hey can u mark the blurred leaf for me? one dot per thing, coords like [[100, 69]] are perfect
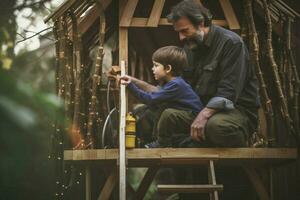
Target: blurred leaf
[[20, 95], [17, 114], [6, 62], [10, 44]]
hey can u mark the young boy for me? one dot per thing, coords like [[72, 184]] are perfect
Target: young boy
[[174, 93]]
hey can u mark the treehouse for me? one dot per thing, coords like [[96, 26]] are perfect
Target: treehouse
[[92, 36]]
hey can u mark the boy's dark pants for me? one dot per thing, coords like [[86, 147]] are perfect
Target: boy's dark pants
[[156, 123], [170, 119]]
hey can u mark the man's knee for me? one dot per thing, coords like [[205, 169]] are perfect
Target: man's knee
[[223, 133]]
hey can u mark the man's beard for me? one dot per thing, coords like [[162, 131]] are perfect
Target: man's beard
[[196, 41]]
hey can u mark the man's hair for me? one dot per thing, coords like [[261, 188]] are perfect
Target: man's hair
[[171, 55], [193, 10]]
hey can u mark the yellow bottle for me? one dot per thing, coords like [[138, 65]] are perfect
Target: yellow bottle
[[130, 131]]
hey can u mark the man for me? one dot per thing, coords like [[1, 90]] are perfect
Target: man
[[221, 74]]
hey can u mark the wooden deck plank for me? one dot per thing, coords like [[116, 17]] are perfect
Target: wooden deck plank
[[223, 153], [150, 157]]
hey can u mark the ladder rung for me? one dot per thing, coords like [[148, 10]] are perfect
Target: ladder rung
[[189, 188]]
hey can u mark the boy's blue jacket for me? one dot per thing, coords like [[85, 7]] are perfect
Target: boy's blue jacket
[[176, 94]]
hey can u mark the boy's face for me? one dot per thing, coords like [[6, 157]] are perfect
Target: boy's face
[[160, 73]]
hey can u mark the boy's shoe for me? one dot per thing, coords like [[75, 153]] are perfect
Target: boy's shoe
[[154, 144]]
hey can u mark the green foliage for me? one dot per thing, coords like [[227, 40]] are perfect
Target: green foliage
[[26, 113], [26, 117]]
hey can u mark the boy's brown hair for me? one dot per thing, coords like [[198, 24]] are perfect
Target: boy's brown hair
[[171, 55]]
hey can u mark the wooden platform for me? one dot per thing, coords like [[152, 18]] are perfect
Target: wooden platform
[[177, 156], [250, 159]]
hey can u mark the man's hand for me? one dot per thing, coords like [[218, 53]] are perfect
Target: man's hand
[[125, 80], [198, 126]]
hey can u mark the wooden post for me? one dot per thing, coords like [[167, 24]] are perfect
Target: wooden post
[[122, 155], [123, 60], [88, 192]]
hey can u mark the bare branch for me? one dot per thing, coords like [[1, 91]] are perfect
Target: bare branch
[[30, 4], [37, 33], [25, 5]]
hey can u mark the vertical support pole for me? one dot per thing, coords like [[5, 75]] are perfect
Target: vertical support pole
[[123, 60], [271, 183], [122, 155], [212, 180], [88, 192]]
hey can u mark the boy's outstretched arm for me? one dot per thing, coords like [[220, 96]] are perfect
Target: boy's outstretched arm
[[113, 74], [144, 85]]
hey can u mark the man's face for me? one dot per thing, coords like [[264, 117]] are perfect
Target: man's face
[[188, 33]]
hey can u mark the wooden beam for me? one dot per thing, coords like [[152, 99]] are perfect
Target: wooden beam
[[59, 11], [86, 22], [128, 13], [123, 45], [109, 185], [91, 16], [230, 15], [104, 3], [88, 187], [257, 183], [142, 22], [155, 13], [123, 35], [123, 39], [189, 188], [146, 182]]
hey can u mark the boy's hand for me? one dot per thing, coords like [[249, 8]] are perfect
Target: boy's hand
[[125, 80], [113, 73]]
